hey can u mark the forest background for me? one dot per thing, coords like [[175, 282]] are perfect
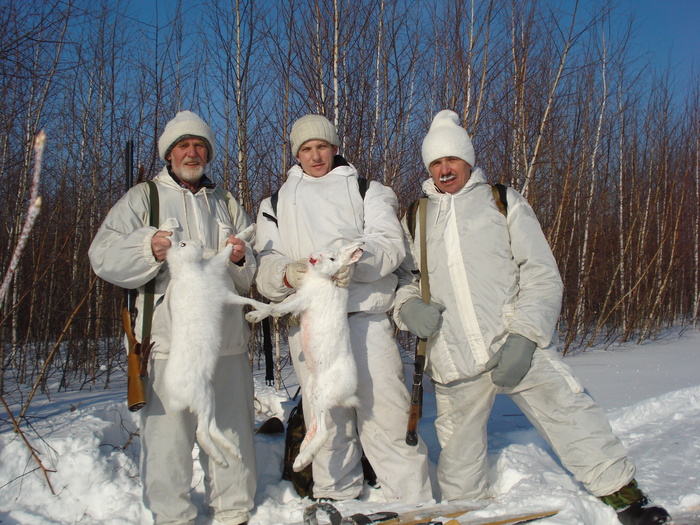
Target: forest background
[[560, 106]]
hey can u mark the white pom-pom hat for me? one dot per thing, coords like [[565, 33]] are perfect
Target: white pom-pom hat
[[185, 124], [446, 138]]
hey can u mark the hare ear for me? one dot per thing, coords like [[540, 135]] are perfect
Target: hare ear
[[355, 256], [351, 253]]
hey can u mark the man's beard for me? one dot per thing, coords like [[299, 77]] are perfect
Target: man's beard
[[190, 174]]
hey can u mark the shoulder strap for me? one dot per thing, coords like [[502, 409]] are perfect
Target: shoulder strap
[[411, 218], [154, 220], [499, 195], [364, 184], [273, 201], [154, 215], [424, 277], [424, 283]]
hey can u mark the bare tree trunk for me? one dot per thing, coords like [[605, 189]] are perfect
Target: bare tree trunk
[[377, 82], [335, 60], [621, 213], [660, 294], [696, 226], [525, 185], [584, 267]]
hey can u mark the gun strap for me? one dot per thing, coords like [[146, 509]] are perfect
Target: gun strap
[[424, 281], [154, 220]]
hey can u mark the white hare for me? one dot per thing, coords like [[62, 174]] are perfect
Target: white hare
[[325, 336], [199, 290]]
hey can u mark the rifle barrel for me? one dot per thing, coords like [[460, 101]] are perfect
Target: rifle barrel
[[129, 295]]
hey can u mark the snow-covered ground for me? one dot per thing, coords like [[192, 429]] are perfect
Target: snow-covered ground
[[651, 393]]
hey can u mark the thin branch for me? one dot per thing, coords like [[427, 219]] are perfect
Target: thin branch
[[49, 358], [29, 446]]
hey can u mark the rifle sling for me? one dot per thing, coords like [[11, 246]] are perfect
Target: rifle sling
[[424, 282], [149, 292]]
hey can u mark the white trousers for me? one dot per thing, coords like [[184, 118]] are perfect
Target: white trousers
[[167, 440], [554, 401], [377, 426]]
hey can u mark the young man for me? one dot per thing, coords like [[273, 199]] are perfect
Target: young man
[[321, 205], [495, 299], [128, 252]]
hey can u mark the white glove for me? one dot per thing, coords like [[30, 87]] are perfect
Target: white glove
[[343, 276], [294, 273]]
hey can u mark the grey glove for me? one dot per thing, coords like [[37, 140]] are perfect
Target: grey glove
[[420, 318], [510, 364], [294, 273], [342, 277]]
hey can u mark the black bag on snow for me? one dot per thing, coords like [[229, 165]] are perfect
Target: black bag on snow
[[296, 428], [303, 481]]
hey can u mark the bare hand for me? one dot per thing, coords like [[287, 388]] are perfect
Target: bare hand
[[160, 244], [343, 276], [238, 251]]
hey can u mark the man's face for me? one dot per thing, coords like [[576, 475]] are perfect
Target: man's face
[[450, 174], [188, 158], [316, 157]]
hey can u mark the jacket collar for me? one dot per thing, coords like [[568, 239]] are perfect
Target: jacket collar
[[340, 167]]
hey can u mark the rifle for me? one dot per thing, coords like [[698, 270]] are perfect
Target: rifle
[[416, 409], [137, 356]]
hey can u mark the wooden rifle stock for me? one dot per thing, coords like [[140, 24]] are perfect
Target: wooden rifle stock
[[416, 409], [137, 363]]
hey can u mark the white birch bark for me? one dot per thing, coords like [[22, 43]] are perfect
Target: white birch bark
[[584, 265]]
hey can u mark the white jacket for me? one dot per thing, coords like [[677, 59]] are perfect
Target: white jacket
[[494, 275], [121, 252], [313, 213]]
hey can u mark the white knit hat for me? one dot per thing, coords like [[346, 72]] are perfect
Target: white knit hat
[[310, 127], [446, 138], [185, 124]]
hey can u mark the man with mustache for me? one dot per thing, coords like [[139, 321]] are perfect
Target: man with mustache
[[129, 252], [490, 326]]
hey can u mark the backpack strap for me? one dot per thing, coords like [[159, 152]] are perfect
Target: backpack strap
[[363, 183], [411, 218], [424, 282], [154, 220], [273, 200], [499, 195]]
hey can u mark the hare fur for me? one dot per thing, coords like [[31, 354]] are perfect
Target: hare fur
[[199, 290], [325, 335]]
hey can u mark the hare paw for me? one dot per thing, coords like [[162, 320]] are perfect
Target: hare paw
[[255, 316]]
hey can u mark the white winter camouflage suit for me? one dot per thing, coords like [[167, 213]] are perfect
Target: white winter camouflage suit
[[313, 213], [121, 254], [495, 276]]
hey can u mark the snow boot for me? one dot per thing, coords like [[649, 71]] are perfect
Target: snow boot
[[633, 507]]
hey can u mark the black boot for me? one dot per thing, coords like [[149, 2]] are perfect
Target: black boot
[[641, 513], [633, 507]]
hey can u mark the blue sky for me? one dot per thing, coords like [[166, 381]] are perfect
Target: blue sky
[[669, 32], [666, 32]]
